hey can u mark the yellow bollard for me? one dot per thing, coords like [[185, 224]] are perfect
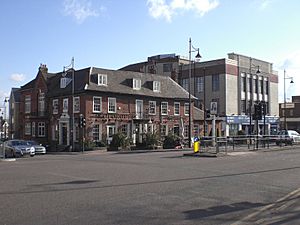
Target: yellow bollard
[[196, 146]]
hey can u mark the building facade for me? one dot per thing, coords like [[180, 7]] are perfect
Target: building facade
[[52, 105], [290, 114], [232, 85]]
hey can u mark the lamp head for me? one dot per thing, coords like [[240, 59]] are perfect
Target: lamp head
[[292, 81], [198, 56], [258, 70]]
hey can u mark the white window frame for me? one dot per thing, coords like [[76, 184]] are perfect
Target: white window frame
[[111, 104], [33, 129], [41, 129], [27, 128], [156, 86], [97, 132], [102, 79], [55, 106], [164, 108], [136, 84], [152, 107], [186, 109], [27, 104], [175, 108], [164, 129], [97, 105], [76, 104], [65, 104], [41, 103]]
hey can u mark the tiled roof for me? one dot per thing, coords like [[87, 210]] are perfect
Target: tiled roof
[[121, 82]]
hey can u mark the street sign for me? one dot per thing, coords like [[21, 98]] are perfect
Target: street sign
[[213, 108]]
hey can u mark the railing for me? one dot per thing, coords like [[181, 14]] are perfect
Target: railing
[[246, 142]]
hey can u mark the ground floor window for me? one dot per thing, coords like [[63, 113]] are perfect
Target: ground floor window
[[27, 128], [41, 129], [186, 131], [96, 132], [163, 129]]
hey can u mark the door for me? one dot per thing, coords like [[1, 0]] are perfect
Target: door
[[64, 134], [111, 130]]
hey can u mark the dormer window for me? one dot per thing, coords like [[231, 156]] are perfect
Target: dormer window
[[136, 85], [156, 86], [64, 81], [102, 79]]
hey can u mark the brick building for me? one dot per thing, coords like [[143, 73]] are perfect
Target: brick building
[[133, 103], [290, 114]]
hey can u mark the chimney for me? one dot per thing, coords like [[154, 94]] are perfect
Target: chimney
[[43, 68]]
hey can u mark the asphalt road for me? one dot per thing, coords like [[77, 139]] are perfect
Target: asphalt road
[[151, 188]]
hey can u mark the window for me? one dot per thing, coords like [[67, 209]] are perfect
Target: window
[[33, 129], [249, 85], [136, 84], [63, 82], [243, 106], [97, 104], [96, 132], [27, 128], [167, 67], [55, 106], [41, 104], [164, 108], [243, 83], [65, 105], [156, 86], [163, 129], [256, 85], [139, 109], [41, 129], [267, 87], [27, 104], [112, 106], [76, 104], [185, 84], [215, 82], [186, 109], [102, 79], [261, 86], [176, 108], [200, 84], [186, 131], [124, 129], [152, 107]]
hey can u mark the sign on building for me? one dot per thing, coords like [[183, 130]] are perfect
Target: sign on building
[[213, 108]]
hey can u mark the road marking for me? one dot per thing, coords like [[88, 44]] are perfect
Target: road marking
[[240, 153], [267, 207]]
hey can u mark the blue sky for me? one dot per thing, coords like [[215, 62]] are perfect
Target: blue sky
[[111, 34]]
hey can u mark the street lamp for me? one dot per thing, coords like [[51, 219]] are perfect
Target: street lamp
[[250, 102], [71, 67], [198, 56], [291, 82]]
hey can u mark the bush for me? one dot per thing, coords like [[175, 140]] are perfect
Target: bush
[[171, 141], [151, 140], [120, 140]]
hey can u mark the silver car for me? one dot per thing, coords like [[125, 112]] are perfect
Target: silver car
[[39, 149], [18, 148]]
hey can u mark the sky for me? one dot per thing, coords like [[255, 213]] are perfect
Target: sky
[[111, 34]]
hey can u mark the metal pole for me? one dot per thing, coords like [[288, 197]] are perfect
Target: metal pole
[[204, 103], [190, 75], [284, 116], [73, 116]]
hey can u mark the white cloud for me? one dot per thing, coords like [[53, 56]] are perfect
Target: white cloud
[[80, 10], [17, 77], [161, 9], [264, 4], [291, 64]]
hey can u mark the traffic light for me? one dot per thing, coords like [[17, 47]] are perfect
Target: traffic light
[[207, 113], [82, 122], [257, 111]]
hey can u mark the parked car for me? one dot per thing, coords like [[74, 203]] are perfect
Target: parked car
[[39, 148], [288, 137], [18, 148]]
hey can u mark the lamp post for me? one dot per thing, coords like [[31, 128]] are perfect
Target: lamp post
[[71, 67], [198, 56], [284, 78], [6, 100]]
